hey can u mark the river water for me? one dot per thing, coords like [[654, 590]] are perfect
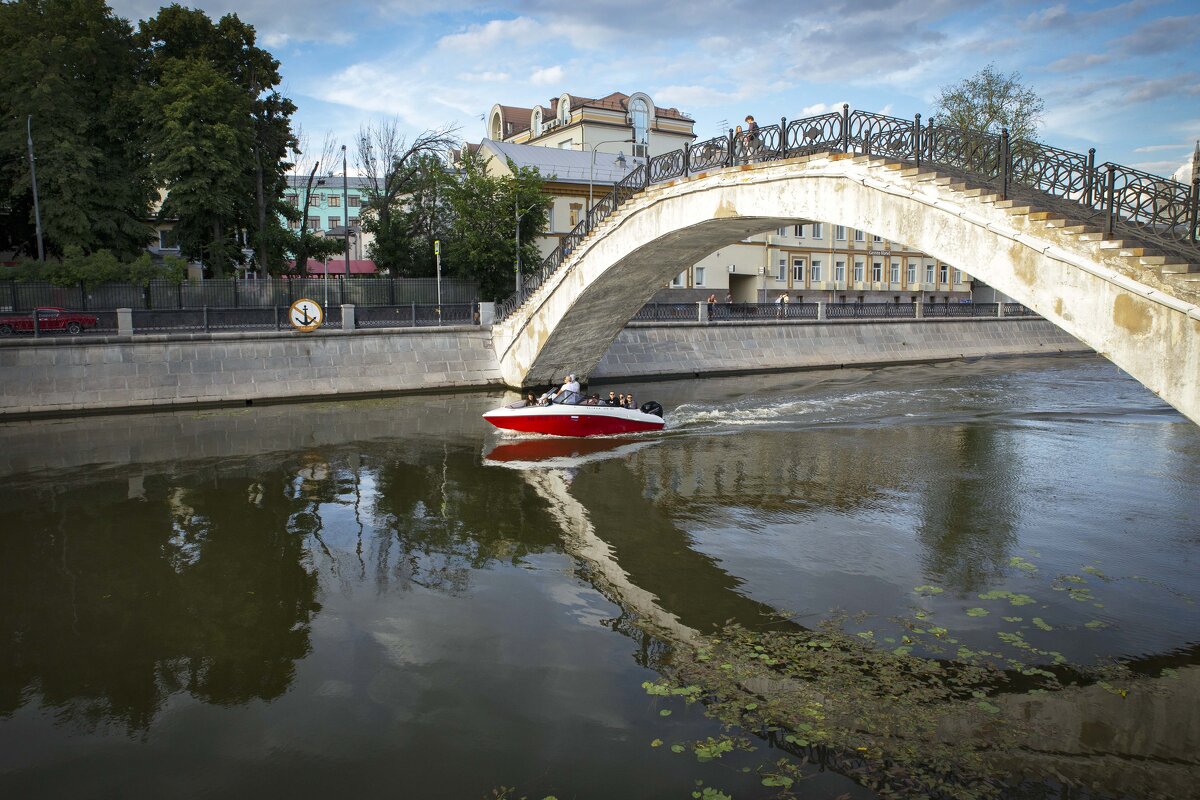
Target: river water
[[388, 598]]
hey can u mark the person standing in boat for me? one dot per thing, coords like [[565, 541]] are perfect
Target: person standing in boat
[[569, 393]]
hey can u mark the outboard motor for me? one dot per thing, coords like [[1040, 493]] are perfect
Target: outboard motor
[[652, 407]]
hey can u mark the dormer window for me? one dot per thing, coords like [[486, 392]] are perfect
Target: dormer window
[[639, 117], [564, 109], [537, 122]]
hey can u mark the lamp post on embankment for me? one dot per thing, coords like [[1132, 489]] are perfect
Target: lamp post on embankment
[[592, 171]]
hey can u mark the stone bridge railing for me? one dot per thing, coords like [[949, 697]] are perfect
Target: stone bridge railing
[[1110, 196]]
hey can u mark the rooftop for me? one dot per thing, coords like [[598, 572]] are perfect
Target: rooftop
[[564, 166]]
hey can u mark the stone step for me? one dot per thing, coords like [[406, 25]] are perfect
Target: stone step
[[966, 189], [1179, 268], [1048, 217], [1150, 260]]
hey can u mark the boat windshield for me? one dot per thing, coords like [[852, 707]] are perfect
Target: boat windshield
[[570, 398]]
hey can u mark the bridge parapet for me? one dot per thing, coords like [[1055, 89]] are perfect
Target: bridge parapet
[[1117, 202]]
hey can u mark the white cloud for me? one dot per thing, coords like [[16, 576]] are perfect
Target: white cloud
[[1158, 148], [550, 76]]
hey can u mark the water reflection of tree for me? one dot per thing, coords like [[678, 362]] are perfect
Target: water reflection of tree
[[968, 511], [439, 516], [111, 600]]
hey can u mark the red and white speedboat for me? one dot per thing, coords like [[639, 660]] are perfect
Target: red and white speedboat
[[572, 419]]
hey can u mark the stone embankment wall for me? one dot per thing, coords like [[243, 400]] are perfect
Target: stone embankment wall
[[61, 375], [65, 376], [645, 350]]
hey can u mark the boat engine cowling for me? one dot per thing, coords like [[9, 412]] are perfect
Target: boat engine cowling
[[652, 407]]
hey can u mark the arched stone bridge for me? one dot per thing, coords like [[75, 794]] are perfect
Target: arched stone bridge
[[1133, 304]]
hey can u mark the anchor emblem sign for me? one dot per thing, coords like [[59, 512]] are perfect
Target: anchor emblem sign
[[306, 315]]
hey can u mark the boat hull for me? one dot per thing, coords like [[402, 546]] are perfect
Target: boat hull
[[575, 421]]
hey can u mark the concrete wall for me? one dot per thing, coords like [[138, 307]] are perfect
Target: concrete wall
[[703, 349], [68, 375], [65, 376]]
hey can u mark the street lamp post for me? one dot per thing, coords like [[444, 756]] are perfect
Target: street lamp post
[[592, 171], [346, 208], [520, 215], [37, 209]]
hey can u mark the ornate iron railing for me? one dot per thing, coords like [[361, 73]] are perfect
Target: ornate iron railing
[[1148, 206], [870, 310], [816, 134]]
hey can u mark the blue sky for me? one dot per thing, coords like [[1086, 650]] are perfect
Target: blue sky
[[1122, 77]]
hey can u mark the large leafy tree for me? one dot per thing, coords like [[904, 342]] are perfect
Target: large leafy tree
[[482, 238], [989, 101], [200, 65], [201, 140], [72, 66]]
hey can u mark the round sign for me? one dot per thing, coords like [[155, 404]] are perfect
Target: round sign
[[306, 315]]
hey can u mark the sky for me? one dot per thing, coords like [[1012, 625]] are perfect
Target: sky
[[1122, 77]]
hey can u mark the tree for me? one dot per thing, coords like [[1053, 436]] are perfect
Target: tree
[[393, 169], [72, 66], [200, 142], [253, 177], [988, 101], [482, 239]]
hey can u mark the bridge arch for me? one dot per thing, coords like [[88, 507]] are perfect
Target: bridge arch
[[1075, 279]]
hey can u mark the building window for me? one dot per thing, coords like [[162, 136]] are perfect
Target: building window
[[944, 274], [168, 239], [876, 238], [839, 271], [814, 272], [895, 272], [576, 208], [353, 201], [313, 223], [537, 122], [929, 273], [817, 230], [839, 232], [679, 280], [958, 277], [781, 275], [334, 222], [566, 144], [314, 200], [639, 114], [293, 200], [798, 271], [877, 271], [353, 222], [912, 273], [294, 224], [782, 232], [799, 230], [335, 201], [860, 236], [699, 273], [858, 271]]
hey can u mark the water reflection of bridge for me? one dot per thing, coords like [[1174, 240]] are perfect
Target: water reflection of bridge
[[1088, 735]]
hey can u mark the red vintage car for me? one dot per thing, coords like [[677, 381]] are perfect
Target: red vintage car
[[49, 319]]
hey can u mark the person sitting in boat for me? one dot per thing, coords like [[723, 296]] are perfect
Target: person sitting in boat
[[629, 401], [612, 398], [570, 391]]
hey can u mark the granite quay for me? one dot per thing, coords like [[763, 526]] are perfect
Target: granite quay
[[67, 376]]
